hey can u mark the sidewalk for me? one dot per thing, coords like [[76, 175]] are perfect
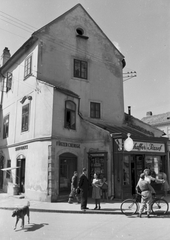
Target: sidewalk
[[9, 202]]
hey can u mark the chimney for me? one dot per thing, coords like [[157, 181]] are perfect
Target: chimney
[[6, 55], [149, 114], [129, 110]]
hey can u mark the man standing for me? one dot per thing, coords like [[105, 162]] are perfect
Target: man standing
[[73, 192], [146, 194], [84, 185]]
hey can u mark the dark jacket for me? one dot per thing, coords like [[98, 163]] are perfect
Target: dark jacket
[[83, 183]]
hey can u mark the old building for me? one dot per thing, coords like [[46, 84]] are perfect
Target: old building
[[62, 109], [160, 121], [60, 77]]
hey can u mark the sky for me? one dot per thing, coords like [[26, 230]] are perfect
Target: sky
[[140, 29]]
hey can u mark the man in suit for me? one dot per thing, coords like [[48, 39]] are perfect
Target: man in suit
[[84, 185]]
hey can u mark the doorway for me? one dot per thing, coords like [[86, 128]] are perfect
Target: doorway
[[68, 164], [1, 172], [137, 167], [20, 174]]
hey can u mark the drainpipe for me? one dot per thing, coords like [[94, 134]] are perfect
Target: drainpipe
[[2, 94], [79, 113]]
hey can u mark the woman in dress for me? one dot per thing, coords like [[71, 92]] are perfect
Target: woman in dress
[[96, 192], [149, 178]]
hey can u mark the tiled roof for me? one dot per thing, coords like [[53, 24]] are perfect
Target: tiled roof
[[159, 119]]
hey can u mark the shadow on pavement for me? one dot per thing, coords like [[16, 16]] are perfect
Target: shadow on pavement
[[151, 216], [33, 227], [110, 209]]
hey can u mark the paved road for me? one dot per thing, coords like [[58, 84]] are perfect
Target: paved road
[[61, 226]]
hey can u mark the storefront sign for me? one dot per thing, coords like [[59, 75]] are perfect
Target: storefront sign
[[66, 144], [21, 148], [148, 147]]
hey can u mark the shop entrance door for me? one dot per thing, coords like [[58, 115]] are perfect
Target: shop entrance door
[[20, 174], [68, 164], [126, 177], [137, 167], [97, 164]]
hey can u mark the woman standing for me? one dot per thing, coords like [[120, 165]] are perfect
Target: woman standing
[[165, 185], [96, 192]]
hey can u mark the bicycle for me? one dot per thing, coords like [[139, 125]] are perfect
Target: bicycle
[[159, 205]]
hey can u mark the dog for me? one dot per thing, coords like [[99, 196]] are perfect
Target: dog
[[20, 213]]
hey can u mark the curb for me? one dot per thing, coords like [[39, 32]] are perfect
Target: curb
[[67, 211]]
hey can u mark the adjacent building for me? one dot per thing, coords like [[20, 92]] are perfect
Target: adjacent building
[[160, 121], [62, 109]]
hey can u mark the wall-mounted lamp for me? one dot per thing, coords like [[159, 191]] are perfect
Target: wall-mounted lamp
[[24, 98], [128, 143]]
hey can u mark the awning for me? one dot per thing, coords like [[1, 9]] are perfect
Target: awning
[[9, 168], [122, 131]]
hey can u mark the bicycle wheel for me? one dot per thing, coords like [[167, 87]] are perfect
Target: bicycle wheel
[[129, 207], [159, 206]]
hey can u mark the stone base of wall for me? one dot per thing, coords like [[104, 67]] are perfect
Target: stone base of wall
[[40, 196]]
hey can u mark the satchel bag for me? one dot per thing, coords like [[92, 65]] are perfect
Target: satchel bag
[[104, 186], [78, 190]]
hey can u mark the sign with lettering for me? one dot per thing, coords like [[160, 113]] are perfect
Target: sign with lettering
[[66, 144], [21, 148], [148, 147]]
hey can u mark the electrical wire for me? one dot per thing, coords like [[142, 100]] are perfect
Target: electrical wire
[[57, 41]]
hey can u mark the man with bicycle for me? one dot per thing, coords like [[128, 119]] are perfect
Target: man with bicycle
[[146, 194]]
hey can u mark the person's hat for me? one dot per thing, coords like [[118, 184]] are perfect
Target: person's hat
[[146, 170], [75, 172], [84, 169], [142, 175]]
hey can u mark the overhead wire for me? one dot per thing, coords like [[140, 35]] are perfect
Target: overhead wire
[[18, 20], [56, 42], [13, 33]]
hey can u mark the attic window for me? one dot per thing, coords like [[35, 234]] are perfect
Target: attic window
[[80, 31]]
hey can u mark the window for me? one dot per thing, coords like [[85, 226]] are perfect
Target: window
[[28, 66], [8, 173], [6, 127], [25, 118], [9, 81], [70, 115], [126, 171], [168, 131], [80, 69], [94, 110]]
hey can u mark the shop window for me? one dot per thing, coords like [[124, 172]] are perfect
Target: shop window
[[80, 69], [126, 171], [25, 118], [8, 173], [154, 163], [70, 115], [98, 164], [94, 110], [168, 132], [6, 127], [28, 67]]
